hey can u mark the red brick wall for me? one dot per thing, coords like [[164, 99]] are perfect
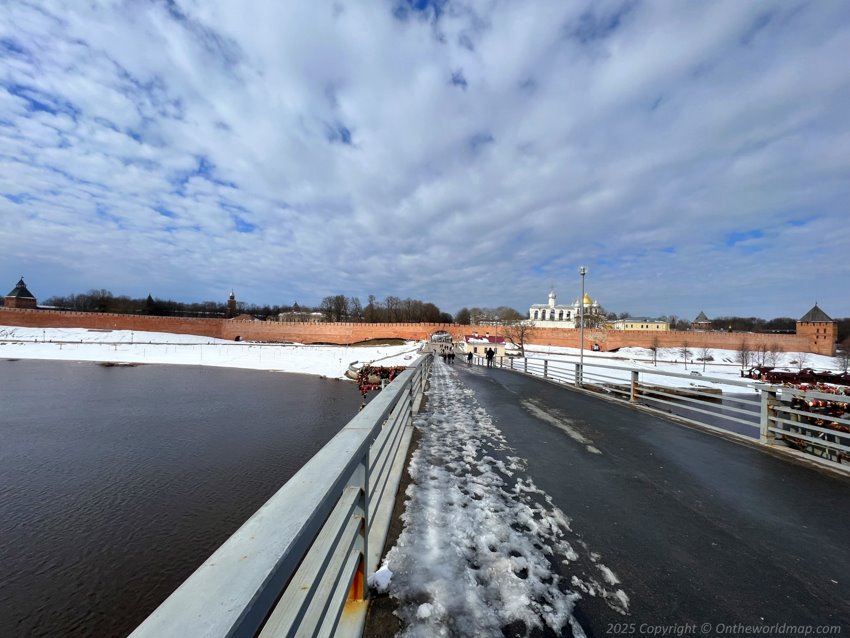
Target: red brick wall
[[19, 302], [821, 335], [807, 339], [104, 321]]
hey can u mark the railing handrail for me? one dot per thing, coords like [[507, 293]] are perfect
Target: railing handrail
[[802, 438], [233, 592], [752, 383]]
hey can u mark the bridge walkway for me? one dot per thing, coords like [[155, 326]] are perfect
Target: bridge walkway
[[667, 525], [697, 528]]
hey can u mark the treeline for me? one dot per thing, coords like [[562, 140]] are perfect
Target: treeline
[[754, 324], [780, 325], [475, 315], [390, 310], [333, 308], [104, 301]]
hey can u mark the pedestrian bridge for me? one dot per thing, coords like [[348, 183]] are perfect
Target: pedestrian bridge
[[536, 509]]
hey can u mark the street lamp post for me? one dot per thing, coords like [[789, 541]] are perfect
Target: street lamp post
[[581, 271]]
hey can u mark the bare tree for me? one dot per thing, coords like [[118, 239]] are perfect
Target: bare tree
[[595, 320], [355, 309], [705, 355], [772, 356], [654, 347], [392, 305], [335, 308], [519, 332], [685, 352], [744, 354], [462, 317], [842, 357], [760, 354], [802, 360]]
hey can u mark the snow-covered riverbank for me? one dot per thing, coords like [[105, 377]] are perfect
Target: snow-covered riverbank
[[124, 346]]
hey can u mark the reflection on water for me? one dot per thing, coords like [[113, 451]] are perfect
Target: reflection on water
[[116, 483]]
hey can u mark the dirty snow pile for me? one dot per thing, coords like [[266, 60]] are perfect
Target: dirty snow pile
[[125, 346], [483, 550]]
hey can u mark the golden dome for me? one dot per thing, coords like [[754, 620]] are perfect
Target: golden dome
[[587, 301]]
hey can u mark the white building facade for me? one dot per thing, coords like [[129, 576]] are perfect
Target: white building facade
[[555, 315]]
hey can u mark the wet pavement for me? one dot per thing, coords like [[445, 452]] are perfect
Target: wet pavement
[[707, 536]]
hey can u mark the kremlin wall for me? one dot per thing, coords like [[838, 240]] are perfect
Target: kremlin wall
[[818, 337]]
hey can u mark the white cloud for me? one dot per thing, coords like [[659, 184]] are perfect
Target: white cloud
[[636, 138]]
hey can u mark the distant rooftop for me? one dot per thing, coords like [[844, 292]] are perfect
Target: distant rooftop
[[816, 315], [20, 291]]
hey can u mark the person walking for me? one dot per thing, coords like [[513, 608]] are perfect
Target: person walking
[[469, 358]]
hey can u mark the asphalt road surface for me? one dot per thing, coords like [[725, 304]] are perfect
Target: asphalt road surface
[[703, 533]]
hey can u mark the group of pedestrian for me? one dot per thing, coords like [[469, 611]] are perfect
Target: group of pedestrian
[[447, 352]]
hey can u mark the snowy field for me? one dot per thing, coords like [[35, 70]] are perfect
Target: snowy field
[[124, 346], [722, 365]]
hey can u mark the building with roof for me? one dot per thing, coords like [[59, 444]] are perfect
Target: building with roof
[[820, 329], [20, 297], [477, 344], [555, 315], [639, 323], [701, 322]]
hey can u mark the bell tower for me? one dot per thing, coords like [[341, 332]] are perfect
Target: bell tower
[[231, 305]]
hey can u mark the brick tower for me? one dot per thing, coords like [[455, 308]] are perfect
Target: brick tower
[[821, 331], [20, 297]]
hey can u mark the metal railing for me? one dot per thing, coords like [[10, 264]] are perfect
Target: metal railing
[[813, 422], [299, 565], [793, 420]]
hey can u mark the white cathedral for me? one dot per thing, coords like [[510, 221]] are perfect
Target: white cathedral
[[554, 315]]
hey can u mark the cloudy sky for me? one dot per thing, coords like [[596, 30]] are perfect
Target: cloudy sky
[[695, 156]]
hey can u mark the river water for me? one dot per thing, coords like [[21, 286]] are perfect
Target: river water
[[117, 482]]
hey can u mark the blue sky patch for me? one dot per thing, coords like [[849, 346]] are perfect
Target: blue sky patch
[[339, 133], [799, 223], [11, 48], [736, 237], [38, 100], [243, 226], [404, 8], [593, 26]]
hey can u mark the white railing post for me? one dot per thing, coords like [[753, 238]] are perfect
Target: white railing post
[[768, 400], [633, 392], [578, 375]]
